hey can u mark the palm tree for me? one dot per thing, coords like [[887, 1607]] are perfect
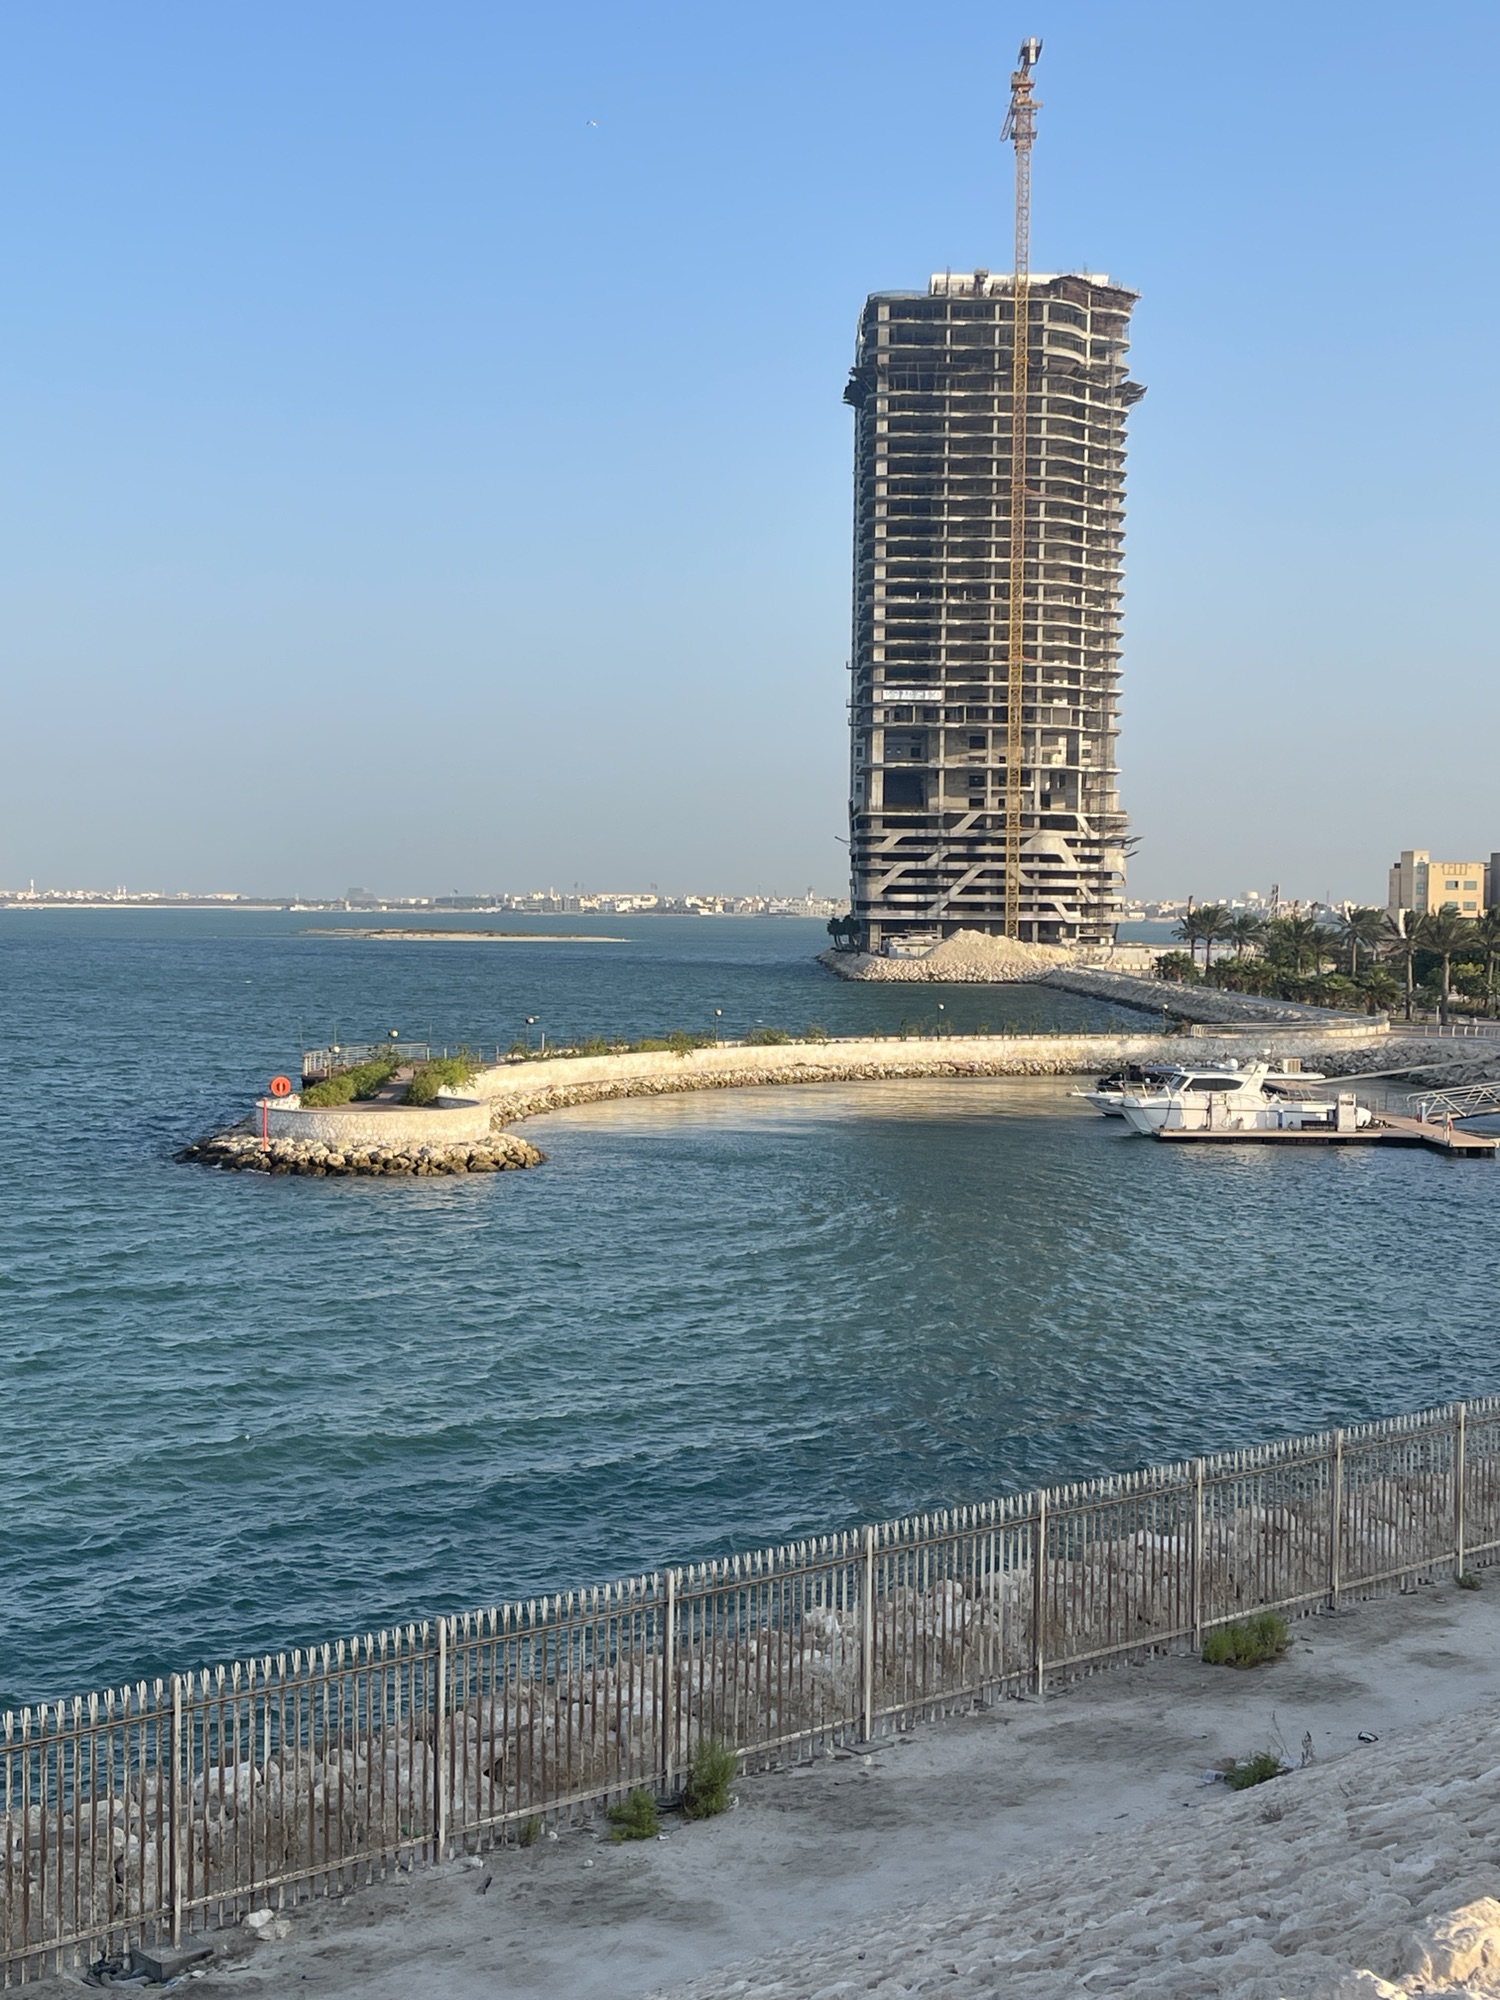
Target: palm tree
[[1244, 929], [1401, 945], [1445, 932], [1213, 921], [1487, 937], [1189, 930], [1299, 938], [1380, 990], [1358, 929]]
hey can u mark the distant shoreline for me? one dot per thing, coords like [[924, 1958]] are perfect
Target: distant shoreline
[[411, 936]]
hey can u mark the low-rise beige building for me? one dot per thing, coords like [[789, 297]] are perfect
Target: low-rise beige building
[[1419, 883]]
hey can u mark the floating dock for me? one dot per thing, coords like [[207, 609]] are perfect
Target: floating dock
[[1386, 1128]]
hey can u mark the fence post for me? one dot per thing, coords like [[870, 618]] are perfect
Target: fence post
[[867, 1641], [1335, 1519], [669, 1687], [1038, 1595], [1460, 1480], [440, 1744], [1197, 1555], [174, 1796]]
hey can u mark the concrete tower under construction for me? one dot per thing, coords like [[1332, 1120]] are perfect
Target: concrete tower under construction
[[930, 723]]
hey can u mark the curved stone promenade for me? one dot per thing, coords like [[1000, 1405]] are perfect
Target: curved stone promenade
[[468, 1136], [522, 1089]]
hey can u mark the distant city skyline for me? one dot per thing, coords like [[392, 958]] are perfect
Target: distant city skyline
[[426, 459], [538, 902]]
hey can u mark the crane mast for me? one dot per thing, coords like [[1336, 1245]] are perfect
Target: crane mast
[[1020, 128]]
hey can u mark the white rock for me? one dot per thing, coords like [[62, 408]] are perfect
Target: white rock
[[1446, 1950], [1362, 1985]]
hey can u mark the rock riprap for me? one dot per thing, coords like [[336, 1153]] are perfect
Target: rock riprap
[[242, 1152]]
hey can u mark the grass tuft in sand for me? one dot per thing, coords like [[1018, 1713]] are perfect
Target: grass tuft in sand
[[1249, 1642]]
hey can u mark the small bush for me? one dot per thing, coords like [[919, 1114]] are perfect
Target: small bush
[[530, 1834], [765, 1038], [360, 1082], [709, 1778], [1468, 1581], [443, 1073], [1249, 1642], [330, 1090], [815, 1032], [1254, 1771], [635, 1817]]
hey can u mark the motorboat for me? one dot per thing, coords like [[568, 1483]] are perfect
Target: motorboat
[[1253, 1099], [1108, 1093]]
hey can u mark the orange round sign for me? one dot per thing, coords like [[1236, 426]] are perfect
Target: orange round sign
[[281, 1086]]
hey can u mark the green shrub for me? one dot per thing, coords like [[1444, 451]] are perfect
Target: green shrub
[[1254, 1771], [815, 1032], [331, 1090], [1468, 1581], [765, 1038], [1247, 1643], [530, 1834], [635, 1817], [360, 1082], [649, 1045], [443, 1073], [710, 1775]]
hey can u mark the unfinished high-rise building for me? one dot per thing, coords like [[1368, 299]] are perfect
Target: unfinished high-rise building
[[931, 781]]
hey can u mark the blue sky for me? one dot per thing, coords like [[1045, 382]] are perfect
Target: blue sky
[[409, 482]]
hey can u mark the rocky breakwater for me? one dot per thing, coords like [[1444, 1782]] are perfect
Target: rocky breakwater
[[241, 1151]]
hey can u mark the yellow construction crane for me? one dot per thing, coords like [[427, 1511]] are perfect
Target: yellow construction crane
[[1020, 127]]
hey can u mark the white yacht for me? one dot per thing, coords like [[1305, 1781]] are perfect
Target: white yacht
[[1254, 1099], [1108, 1093]]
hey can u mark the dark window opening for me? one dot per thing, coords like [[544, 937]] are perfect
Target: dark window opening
[[905, 791]]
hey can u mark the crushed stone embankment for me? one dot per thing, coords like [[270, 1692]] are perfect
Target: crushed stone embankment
[[1099, 1860]]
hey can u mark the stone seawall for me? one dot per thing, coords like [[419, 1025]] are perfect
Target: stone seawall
[[1187, 1003], [1125, 989], [524, 1089]]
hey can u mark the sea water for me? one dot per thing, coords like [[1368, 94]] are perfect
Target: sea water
[[240, 1413]]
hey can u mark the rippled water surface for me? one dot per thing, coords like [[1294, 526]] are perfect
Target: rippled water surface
[[241, 1413]]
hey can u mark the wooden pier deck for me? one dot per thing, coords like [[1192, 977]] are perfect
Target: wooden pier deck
[[1389, 1128]]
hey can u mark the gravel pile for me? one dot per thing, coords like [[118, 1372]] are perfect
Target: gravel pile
[[966, 958]]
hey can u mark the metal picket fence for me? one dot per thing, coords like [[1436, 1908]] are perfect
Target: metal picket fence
[[149, 1813]]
